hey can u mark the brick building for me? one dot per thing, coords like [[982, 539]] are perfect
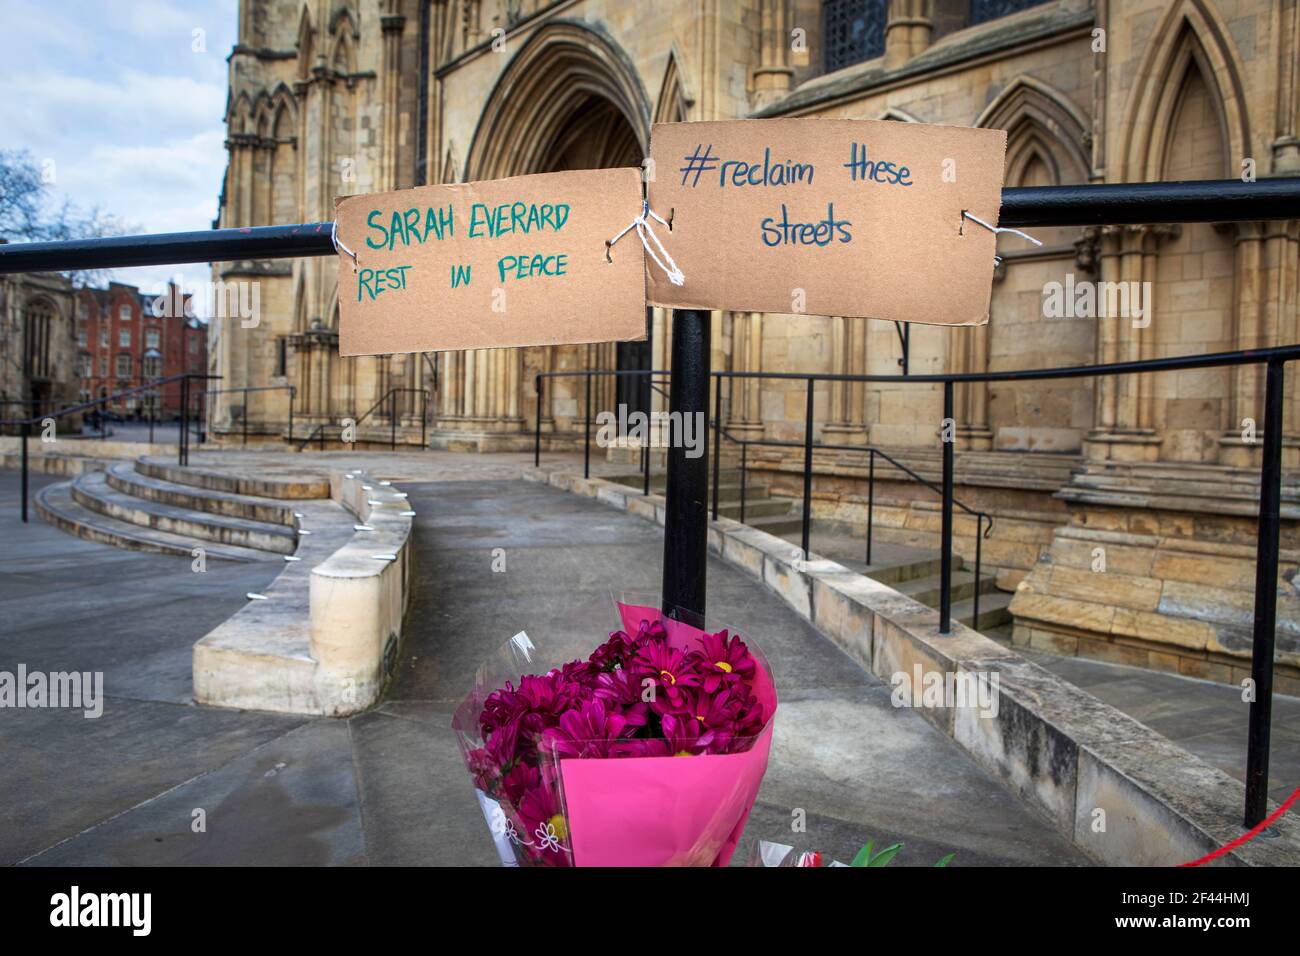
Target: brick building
[[126, 338]]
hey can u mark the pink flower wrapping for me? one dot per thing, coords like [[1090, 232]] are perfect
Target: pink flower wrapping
[[649, 753]]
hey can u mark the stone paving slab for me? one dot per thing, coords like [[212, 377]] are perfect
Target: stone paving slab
[[388, 786]]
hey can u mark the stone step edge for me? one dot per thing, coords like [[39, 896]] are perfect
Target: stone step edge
[[344, 631], [122, 534], [231, 482], [129, 480], [1056, 746], [208, 527]]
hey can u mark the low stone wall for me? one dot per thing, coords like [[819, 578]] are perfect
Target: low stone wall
[[1123, 793], [359, 593], [1156, 599], [325, 639], [68, 457]]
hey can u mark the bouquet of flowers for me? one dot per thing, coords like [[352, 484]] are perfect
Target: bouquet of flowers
[[581, 764]]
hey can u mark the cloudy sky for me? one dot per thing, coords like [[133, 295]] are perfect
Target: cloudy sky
[[127, 100]]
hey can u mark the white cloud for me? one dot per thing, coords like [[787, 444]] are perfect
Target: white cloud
[[131, 116]]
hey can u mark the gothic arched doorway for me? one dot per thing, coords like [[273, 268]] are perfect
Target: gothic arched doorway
[[569, 100]]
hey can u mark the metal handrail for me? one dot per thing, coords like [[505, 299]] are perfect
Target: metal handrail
[[981, 531], [243, 414], [182, 447], [319, 431]]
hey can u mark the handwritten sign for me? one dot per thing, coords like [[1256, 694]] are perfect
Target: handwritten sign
[[828, 217], [491, 264]]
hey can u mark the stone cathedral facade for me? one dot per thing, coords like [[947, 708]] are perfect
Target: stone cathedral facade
[[334, 97]]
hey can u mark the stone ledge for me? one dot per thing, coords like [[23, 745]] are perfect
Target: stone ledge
[[1057, 746], [326, 639]]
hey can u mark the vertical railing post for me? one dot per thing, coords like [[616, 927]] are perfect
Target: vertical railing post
[[871, 499], [807, 468], [424, 418], [948, 438], [717, 443], [537, 426], [392, 420], [293, 392], [27, 428], [182, 439], [645, 444], [686, 526], [979, 584], [243, 420], [153, 412], [586, 428], [1266, 561], [744, 463]]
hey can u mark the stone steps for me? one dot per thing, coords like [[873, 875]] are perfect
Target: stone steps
[[127, 479], [55, 504], [994, 610], [282, 486], [93, 492], [927, 589]]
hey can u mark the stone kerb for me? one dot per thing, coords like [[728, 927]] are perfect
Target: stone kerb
[[358, 594], [1122, 792], [325, 638]]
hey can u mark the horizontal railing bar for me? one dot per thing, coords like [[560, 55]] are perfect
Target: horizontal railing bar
[[782, 443], [249, 388], [1168, 364], [1081, 205], [1122, 204], [213, 245], [153, 386]]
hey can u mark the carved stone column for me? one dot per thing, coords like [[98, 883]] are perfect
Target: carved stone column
[[771, 78], [746, 414], [847, 425], [1123, 423], [392, 25], [1263, 315], [908, 31]]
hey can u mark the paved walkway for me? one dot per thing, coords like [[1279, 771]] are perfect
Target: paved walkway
[[388, 787]]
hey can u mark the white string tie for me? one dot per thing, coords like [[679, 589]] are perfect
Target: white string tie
[[643, 229], [997, 260], [339, 245]]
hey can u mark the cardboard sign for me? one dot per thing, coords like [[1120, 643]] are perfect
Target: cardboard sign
[[491, 264], [828, 217]]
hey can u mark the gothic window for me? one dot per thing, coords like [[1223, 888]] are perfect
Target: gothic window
[[982, 11], [40, 324], [852, 31]]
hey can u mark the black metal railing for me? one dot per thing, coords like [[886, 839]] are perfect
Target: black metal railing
[[182, 453], [685, 528], [715, 426], [1270, 489], [246, 390], [320, 432]]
